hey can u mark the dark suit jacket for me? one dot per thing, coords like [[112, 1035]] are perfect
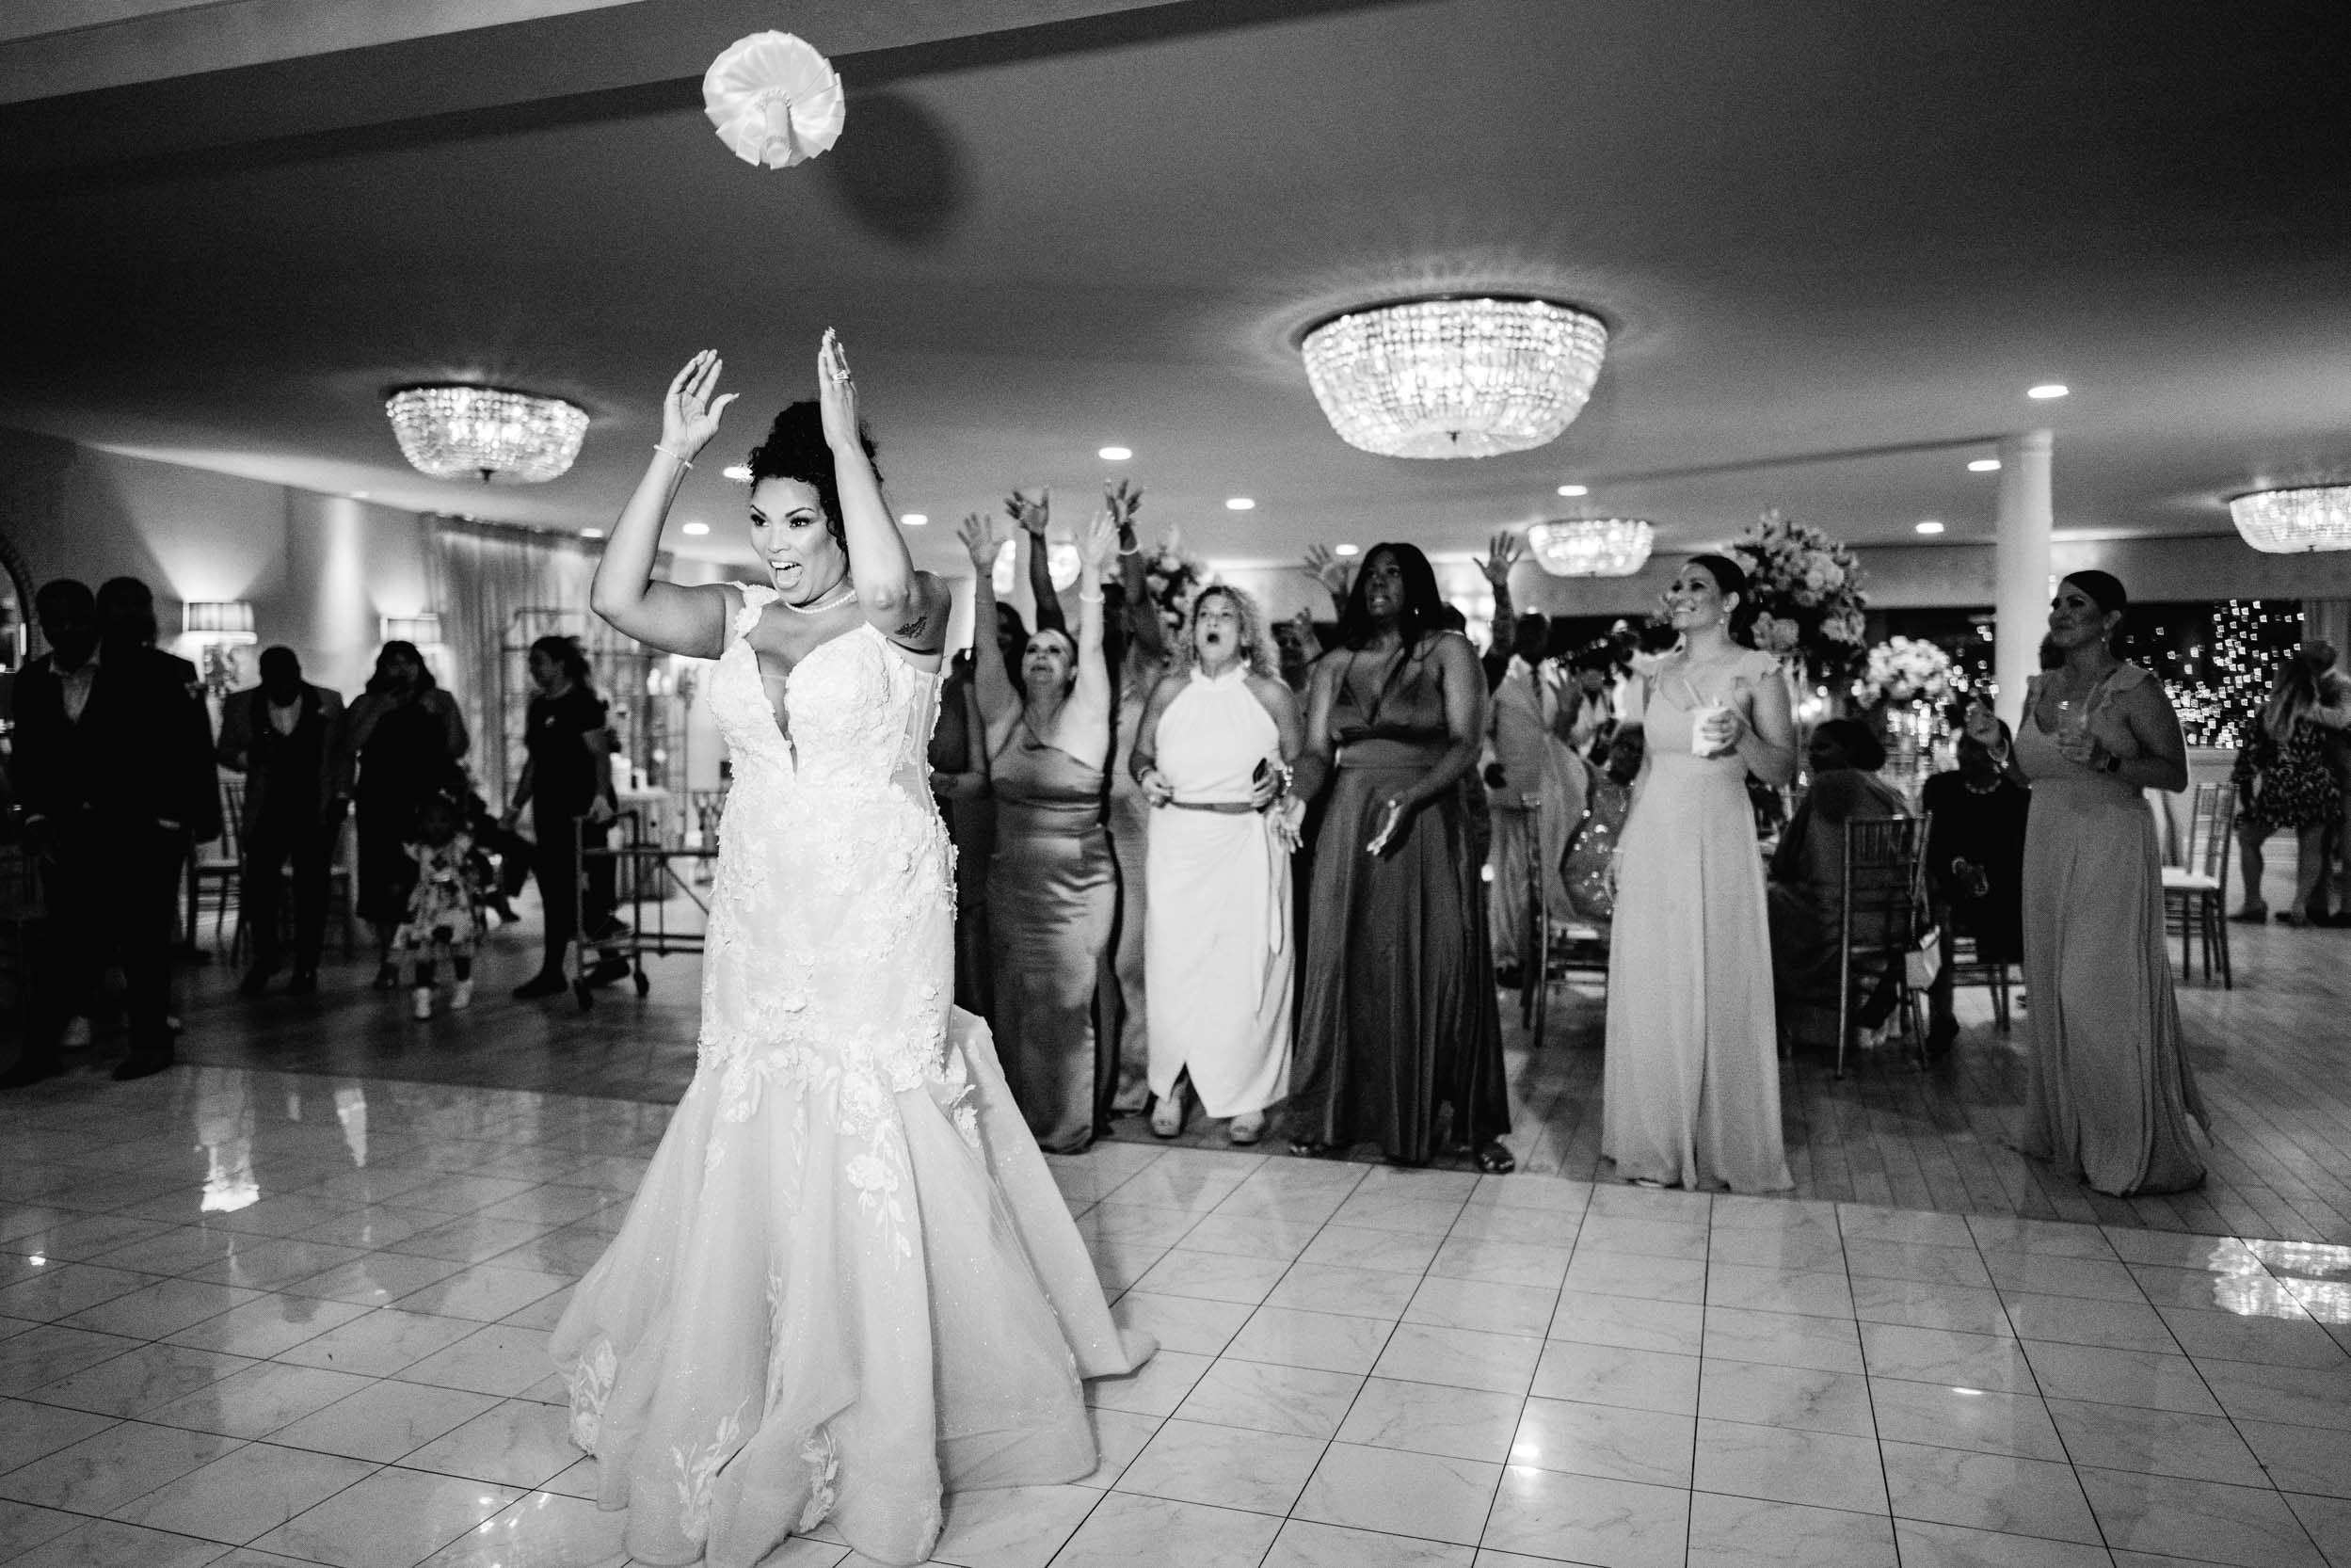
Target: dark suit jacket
[[142, 751], [245, 719]]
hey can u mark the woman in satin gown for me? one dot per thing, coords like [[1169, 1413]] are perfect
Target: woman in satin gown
[[2111, 1099], [1398, 1016], [1211, 755], [1690, 1090], [1053, 886], [848, 1282]]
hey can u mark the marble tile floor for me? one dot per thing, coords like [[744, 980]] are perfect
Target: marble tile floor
[[253, 1318]]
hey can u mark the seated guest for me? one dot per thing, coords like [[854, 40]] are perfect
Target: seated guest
[[284, 735], [1807, 880], [1592, 845], [1975, 861]]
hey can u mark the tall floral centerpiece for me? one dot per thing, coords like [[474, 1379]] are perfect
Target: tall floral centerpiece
[[1174, 578], [1906, 688], [1807, 591]]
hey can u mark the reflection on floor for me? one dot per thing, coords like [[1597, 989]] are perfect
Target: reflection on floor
[[257, 1317]]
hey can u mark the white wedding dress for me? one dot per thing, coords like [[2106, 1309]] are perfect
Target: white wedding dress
[[848, 1282]]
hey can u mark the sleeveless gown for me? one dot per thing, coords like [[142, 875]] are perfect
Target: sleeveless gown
[[1053, 900], [1397, 1013], [1217, 932], [847, 1280], [1690, 1089], [2110, 1097]]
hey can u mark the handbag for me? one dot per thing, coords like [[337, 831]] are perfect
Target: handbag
[[1922, 960]]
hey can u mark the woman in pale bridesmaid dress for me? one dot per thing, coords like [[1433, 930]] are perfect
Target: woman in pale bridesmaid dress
[[2111, 1099], [1691, 1085]]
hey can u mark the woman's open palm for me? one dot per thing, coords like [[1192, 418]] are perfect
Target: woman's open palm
[[690, 412]]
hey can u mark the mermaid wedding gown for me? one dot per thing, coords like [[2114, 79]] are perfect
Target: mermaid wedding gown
[[848, 1282]]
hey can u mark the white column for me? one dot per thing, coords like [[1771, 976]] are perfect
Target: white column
[[2021, 566]]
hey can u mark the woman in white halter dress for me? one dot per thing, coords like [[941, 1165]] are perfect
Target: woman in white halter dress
[[848, 1282]]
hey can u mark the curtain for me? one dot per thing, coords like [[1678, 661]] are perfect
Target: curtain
[[496, 589]]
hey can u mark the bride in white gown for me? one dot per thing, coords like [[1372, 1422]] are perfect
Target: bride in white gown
[[848, 1282]]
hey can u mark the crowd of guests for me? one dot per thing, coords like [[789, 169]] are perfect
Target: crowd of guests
[[1320, 860]]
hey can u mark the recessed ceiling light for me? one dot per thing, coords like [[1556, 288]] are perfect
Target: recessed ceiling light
[[696, 529], [1116, 453], [2047, 390], [591, 533], [1240, 503], [1930, 526], [914, 520], [1575, 489], [1984, 465], [738, 472], [1346, 550], [359, 495]]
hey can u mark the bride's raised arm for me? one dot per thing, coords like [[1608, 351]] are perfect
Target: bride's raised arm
[[909, 607], [672, 617]]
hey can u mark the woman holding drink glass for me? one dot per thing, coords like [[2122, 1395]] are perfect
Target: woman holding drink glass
[[2111, 1096], [1692, 1086]]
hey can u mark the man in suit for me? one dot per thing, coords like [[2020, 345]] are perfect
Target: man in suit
[[284, 735], [114, 772]]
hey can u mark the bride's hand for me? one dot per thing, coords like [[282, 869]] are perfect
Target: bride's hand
[[978, 535], [1093, 542], [835, 394], [689, 415]]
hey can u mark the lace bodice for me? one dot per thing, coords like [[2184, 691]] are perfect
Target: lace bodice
[[859, 715]]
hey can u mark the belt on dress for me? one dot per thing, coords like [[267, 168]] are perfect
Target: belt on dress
[[1229, 807]]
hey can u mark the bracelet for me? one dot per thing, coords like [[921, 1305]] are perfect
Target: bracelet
[[1094, 598], [685, 462]]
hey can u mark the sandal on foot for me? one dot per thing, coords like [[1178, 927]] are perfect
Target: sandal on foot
[[1495, 1160], [1247, 1128], [1167, 1115]]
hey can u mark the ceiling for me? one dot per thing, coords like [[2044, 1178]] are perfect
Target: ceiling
[[1834, 242]]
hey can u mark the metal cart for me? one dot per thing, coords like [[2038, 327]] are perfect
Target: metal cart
[[649, 875]]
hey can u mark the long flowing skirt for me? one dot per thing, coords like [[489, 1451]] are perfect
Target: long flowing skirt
[[1690, 1090], [1397, 1013], [1218, 937], [1053, 900], [2110, 1095]]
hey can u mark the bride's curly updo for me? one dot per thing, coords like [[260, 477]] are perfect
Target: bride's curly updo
[[795, 449]]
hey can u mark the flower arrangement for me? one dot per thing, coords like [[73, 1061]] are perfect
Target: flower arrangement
[[1905, 670], [1174, 578], [1807, 595]]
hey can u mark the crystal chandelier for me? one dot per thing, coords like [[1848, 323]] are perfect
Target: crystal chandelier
[[2292, 521], [1591, 547], [457, 432], [1454, 377]]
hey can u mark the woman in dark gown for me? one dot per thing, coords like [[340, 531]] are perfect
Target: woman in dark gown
[[407, 738], [1399, 1015]]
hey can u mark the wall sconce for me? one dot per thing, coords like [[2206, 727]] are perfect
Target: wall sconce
[[424, 630], [218, 620]]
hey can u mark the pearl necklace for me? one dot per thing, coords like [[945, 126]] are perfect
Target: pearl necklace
[[826, 601]]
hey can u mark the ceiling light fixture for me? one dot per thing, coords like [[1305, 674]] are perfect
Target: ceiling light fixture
[[1454, 377], [1984, 465], [1929, 526], [1115, 454], [738, 472], [591, 533], [2295, 520], [1591, 547], [2048, 390], [696, 530], [457, 432], [1346, 550], [916, 520], [1240, 504], [1575, 489]]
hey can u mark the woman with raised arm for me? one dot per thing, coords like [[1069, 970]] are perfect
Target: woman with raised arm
[[1053, 889], [1398, 1016], [848, 1282], [1690, 1090]]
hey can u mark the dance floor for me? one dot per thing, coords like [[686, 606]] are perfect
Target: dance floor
[[289, 1304]]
